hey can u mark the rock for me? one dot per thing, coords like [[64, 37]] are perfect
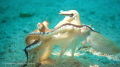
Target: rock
[[25, 14]]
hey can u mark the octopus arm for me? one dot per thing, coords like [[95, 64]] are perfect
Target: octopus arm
[[60, 30]]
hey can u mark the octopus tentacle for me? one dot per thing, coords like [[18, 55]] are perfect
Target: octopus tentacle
[[63, 28]]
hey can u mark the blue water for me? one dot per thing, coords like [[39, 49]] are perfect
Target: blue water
[[103, 15]]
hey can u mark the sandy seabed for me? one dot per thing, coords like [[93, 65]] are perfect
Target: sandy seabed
[[103, 15]]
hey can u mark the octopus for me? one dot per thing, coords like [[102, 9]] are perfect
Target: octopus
[[66, 34]]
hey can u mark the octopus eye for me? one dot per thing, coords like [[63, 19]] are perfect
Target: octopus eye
[[71, 15]]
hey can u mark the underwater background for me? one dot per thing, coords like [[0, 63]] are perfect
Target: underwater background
[[103, 15]]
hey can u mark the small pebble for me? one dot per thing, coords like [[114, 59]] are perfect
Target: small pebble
[[10, 51], [26, 30], [3, 21]]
